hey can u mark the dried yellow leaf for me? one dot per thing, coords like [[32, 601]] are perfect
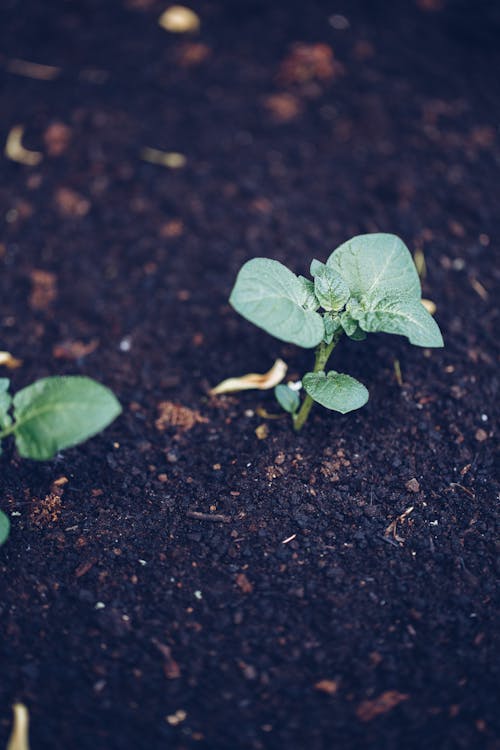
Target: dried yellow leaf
[[419, 260], [15, 151], [32, 70], [170, 159], [429, 305], [253, 380], [18, 739], [262, 431], [10, 362], [179, 20]]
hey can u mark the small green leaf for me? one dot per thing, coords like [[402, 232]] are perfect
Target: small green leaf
[[315, 267], [375, 266], [269, 295], [59, 412], [4, 527], [332, 325], [406, 318], [330, 288], [351, 327], [335, 391], [310, 302], [358, 335], [288, 400]]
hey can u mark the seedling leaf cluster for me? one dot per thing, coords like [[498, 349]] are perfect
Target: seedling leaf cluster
[[369, 284]]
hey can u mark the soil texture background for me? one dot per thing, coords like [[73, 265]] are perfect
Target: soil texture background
[[195, 583]]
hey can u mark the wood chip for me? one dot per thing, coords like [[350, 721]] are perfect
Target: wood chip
[[10, 362], [214, 517], [283, 107], [329, 687], [369, 710], [44, 289], [309, 62], [192, 54], [244, 584], [74, 349], [70, 203], [479, 289], [57, 138], [170, 667], [32, 70], [84, 567]]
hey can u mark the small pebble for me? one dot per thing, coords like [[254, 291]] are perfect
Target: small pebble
[[412, 485]]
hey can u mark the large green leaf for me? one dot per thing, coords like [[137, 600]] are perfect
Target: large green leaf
[[4, 527], [375, 266], [408, 318], [335, 390], [329, 287], [269, 295], [58, 412]]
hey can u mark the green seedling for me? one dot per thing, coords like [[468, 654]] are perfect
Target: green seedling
[[368, 284], [52, 414]]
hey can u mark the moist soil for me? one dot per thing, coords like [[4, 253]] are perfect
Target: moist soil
[[338, 588]]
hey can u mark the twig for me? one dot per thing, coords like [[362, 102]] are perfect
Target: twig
[[215, 517]]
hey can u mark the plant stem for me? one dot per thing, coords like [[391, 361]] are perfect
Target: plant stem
[[323, 352]]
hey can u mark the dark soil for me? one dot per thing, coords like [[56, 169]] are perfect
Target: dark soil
[[302, 618]]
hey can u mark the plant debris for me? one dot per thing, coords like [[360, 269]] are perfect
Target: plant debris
[[10, 362], [15, 151], [170, 159], [370, 709], [19, 738], [180, 417], [44, 290], [178, 19], [253, 380], [32, 70]]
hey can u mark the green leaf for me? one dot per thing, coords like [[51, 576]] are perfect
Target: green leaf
[[310, 302], [269, 295], [288, 400], [351, 327], [5, 402], [315, 267], [335, 391], [332, 325], [406, 318], [330, 288], [59, 412], [4, 528], [375, 266]]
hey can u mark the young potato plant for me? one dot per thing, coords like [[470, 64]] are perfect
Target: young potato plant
[[52, 414], [368, 284]]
